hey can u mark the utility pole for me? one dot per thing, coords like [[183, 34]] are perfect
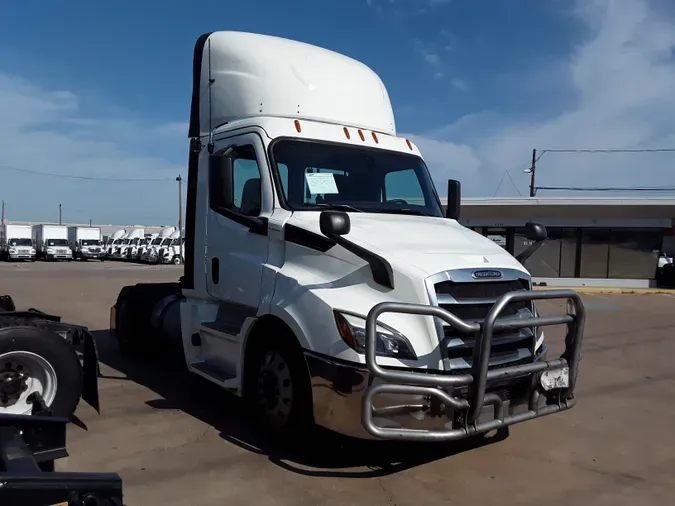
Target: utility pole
[[60, 214], [531, 171], [90, 222], [3, 212], [180, 210]]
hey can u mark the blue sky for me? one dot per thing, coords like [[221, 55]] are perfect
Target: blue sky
[[102, 90]]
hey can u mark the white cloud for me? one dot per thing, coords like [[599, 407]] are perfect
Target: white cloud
[[46, 131], [622, 77]]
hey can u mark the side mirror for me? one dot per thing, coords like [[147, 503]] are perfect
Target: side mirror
[[535, 232], [334, 223], [454, 199], [221, 181]]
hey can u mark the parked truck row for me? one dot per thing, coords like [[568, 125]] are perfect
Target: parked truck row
[[60, 242], [163, 247], [50, 242]]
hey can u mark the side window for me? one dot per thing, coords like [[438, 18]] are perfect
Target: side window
[[247, 189], [403, 184]]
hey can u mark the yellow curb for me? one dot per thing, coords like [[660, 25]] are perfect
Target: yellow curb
[[593, 289]]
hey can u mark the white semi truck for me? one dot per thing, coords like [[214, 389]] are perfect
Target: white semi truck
[[16, 242], [86, 243], [149, 238], [133, 238], [323, 282], [174, 251], [152, 253], [113, 241], [51, 242]]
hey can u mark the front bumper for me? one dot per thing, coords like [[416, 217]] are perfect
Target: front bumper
[[21, 256], [370, 401], [90, 254], [59, 256]]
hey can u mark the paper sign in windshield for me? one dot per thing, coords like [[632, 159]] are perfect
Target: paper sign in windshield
[[321, 183]]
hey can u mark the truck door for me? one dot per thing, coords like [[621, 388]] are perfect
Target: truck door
[[235, 255]]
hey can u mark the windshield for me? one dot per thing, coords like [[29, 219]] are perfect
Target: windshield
[[20, 242], [315, 176], [125, 241], [90, 242], [57, 242], [165, 241]]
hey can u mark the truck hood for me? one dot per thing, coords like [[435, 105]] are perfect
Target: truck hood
[[428, 244]]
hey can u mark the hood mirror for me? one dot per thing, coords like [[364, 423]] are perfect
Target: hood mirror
[[454, 199]]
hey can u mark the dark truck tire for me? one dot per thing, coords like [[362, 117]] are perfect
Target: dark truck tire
[[44, 361], [277, 389], [133, 326]]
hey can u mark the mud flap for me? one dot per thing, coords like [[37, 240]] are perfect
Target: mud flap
[[90, 372]]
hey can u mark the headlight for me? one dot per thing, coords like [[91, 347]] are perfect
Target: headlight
[[389, 343], [50, 251], [32, 251], [12, 251]]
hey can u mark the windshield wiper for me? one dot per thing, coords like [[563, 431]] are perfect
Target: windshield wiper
[[344, 207]]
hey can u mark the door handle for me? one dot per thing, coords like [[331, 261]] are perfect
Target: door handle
[[215, 270]]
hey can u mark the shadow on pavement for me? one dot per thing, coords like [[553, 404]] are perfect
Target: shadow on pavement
[[325, 454]]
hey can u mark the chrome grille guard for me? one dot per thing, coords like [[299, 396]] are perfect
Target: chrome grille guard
[[440, 386]]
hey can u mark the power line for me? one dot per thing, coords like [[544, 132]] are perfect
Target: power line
[[88, 178], [609, 189], [636, 150], [506, 174], [535, 159]]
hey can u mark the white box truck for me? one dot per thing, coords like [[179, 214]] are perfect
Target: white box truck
[[323, 281], [16, 242], [86, 243], [51, 242]]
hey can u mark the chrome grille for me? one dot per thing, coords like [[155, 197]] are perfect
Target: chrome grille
[[472, 301]]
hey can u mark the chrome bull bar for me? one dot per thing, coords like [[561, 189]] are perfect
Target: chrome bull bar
[[441, 386]]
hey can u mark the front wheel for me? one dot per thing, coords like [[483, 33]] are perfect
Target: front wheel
[[277, 388], [177, 260]]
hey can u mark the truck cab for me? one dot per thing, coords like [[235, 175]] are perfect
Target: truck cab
[[174, 251], [113, 242], [323, 280], [86, 243], [142, 248], [16, 243]]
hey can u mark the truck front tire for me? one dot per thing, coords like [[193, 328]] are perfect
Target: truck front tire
[[277, 388], [37, 359]]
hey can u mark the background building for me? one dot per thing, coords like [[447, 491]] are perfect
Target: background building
[[592, 241]]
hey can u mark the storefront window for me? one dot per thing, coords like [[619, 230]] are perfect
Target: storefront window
[[634, 254], [594, 252], [621, 253]]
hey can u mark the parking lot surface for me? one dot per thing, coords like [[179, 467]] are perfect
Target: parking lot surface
[[177, 441]]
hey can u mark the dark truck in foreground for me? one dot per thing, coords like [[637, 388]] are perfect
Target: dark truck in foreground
[[42, 380]]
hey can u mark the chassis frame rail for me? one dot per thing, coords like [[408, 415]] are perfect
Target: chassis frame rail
[[440, 386], [28, 447]]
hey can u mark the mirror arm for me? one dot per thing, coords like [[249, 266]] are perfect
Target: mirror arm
[[531, 250], [380, 269]]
